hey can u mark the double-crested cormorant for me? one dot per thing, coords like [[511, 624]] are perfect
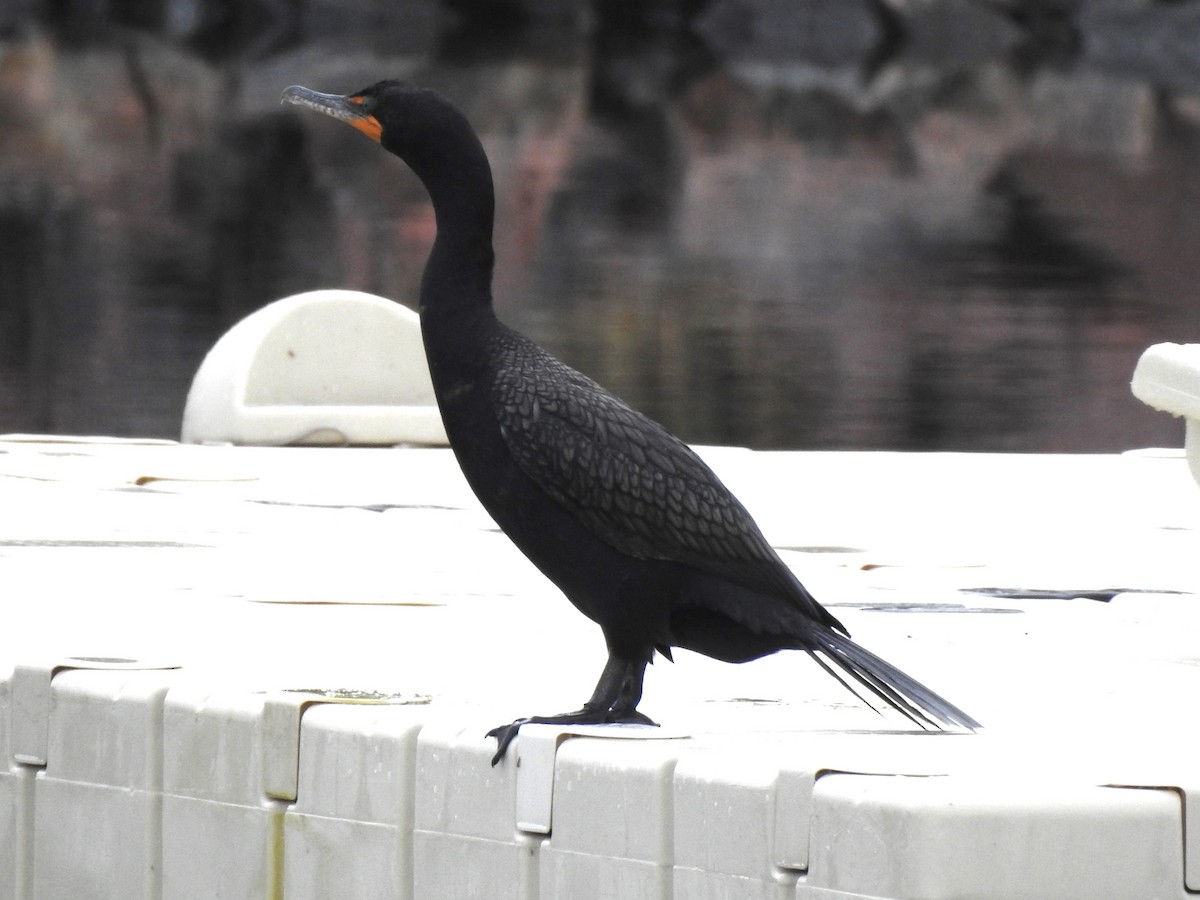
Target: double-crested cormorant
[[629, 523]]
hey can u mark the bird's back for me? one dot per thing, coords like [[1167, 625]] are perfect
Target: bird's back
[[626, 479]]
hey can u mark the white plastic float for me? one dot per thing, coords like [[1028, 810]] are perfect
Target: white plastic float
[[1167, 378], [326, 367], [290, 587]]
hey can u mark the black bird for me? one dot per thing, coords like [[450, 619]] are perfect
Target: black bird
[[630, 524]]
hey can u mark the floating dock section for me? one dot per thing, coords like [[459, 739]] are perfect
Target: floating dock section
[[268, 673]]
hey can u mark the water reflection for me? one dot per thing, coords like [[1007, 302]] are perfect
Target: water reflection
[[920, 249]]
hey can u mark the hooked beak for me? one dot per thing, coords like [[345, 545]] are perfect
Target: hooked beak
[[349, 109]]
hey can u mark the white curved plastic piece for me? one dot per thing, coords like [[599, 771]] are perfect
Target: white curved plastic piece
[[323, 367], [1167, 378]]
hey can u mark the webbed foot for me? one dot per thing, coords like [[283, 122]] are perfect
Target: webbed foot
[[504, 734]]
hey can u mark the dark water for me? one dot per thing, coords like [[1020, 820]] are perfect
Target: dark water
[[958, 248]]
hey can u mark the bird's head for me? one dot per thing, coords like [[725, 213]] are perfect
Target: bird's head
[[405, 119]]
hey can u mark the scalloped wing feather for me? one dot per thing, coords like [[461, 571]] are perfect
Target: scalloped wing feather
[[625, 477]]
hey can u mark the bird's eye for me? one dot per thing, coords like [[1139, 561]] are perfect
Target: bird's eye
[[365, 103]]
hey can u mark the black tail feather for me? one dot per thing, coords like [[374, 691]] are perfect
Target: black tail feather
[[885, 682], [881, 691]]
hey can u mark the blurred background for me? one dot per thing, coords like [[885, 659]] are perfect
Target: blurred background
[[860, 224]]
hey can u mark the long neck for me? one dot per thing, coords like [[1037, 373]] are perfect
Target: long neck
[[458, 276]]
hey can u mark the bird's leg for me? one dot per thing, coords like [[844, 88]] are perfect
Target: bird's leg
[[614, 700], [629, 694], [613, 683]]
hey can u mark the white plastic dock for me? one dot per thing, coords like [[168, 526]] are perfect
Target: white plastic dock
[[181, 622]]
